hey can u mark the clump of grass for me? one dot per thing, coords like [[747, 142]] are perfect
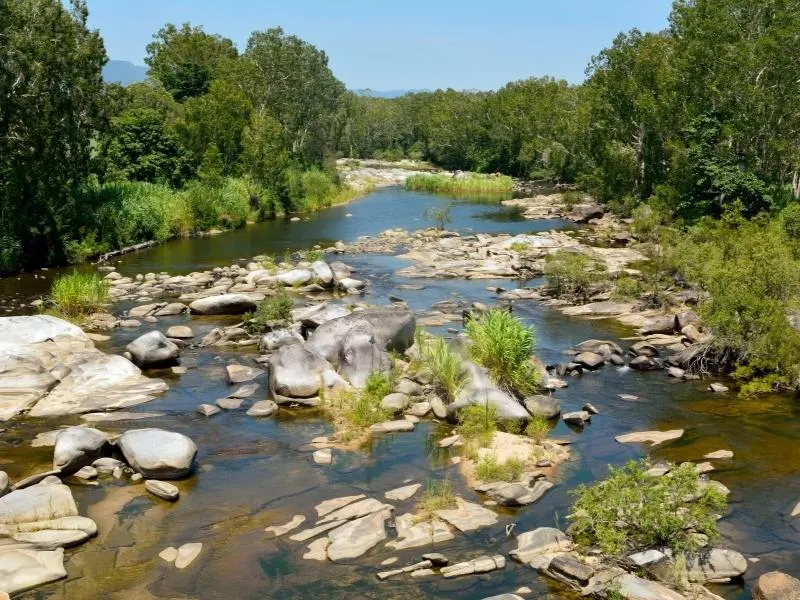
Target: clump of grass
[[627, 288], [354, 411], [270, 311], [438, 495], [631, 511], [471, 183], [312, 255], [444, 363], [489, 469], [78, 294], [537, 429], [520, 247], [477, 424], [502, 344], [572, 274]]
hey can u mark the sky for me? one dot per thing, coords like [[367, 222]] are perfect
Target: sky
[[411, 44]]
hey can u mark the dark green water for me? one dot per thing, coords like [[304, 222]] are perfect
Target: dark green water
[[254, 473]]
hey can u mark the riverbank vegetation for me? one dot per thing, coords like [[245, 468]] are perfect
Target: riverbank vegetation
[[466, 183], [353, 411]]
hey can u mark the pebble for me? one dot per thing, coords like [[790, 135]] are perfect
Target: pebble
[[208, 410], [187, 554], [323, 456], [229, 403], [162, 489], [169, 554]]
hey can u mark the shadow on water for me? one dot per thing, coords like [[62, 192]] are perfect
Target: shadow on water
[[258, 472]]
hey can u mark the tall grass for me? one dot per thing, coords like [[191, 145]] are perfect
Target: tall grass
[[438, 495], [353, 411], [471, 183], [444, 363], [478, 423], [502, 344], [78, 294]]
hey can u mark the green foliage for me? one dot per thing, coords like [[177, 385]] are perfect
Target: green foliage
[[489, 469], [537, 429], [444, 363], [572, 274], [78, 294], [501, 343], [271, 310], [354, 411], [627, 288], [477, 423], [438, 495], [631, 511], [469, 183], [520, 247], [439, 216]]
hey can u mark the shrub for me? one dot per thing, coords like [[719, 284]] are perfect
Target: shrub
[[489, 469], [630, 510], [318, 189], [444, 364], [627, 288], [470, 183], [278, 308], [438, 495], [537, 429], [572, 274], [353, 411], [502, 344], [477, 423], [438, 215], [78, 294]]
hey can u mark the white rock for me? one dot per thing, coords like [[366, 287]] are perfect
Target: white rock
[[187, 554], [279, 530], [403, 493]]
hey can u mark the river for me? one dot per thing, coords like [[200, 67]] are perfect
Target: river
[[257, 472]]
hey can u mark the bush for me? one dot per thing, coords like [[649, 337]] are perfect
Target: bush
[[445, 366], [627, 288], [439, 216], [489, 469], [572, 274], [470, 183], [631, 511], [537, 429], [278, 308], [78, 294], [477, 424], [353, 411], [502, 344]]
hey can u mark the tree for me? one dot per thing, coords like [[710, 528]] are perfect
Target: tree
[[187, 60], [292, 83], [264, 157], [50, 90]]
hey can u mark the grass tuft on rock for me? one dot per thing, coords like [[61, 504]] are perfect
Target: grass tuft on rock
[[537, 429], [445, 367], [438, 495], [78, 294], [630, 511], [272, 310], [354, 411], [477, 424], [501, 343], [489, 469]]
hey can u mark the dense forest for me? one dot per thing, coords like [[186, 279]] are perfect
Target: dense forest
[[692, 130]]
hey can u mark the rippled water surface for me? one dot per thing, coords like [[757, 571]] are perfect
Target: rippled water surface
[[258, 472]]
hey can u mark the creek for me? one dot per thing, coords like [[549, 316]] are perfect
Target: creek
[[258, 472]]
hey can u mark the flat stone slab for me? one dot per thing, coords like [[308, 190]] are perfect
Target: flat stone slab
[[392, 427], [328, 506], [356, 510], [719, 455], [635, 588], [280, 530], [543, 540], [241, 373], [655, 438], [412, 534], [403, 493], [208, 410], [262, 408], [229, 403], [482, 564], [318, 550], [355, 538], [468, 516], [307, 534], [23, 569], [187, 554]]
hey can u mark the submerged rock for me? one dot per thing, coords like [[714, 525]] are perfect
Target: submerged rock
[[158, 454]]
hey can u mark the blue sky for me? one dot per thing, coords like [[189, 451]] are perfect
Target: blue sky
[[466, 44]]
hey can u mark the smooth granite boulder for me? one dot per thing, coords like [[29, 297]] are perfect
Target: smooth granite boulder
[[158, 454]]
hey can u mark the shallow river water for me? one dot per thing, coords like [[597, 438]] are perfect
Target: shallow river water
[[257, 472]]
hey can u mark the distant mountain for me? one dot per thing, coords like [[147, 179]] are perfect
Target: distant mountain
[[124, 72], [386, 93]]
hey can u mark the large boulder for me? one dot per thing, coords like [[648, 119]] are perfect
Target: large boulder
[[480, 390], [295, 277], [392, 329], [24, 568], [314, 316], [717, 566], [158, 454], [664, 324], [322, 272], [226, 304], [272, 340], [582, 213], [153, 349], [36, 504], [544, 540], [546, 407], [78, 447], [776, 586], [360, 355], [298, 372]]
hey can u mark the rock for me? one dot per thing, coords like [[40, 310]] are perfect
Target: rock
[[162, 489], [158, 454], [438, 407], [648, 557], [137, 312], [240, 373], [153, 349], [129, 323], [392, 427], [323, 456], [718, 566], [50, 539], [662, 324], [86, 473], [579, 418], [295, 277], [208, 410], [353, 539], [77, 447], [187, 554], [170, 310], [5, 484], [467, 516], [328, 506], [588, 407], [589, 360], [412, 533], [482, 564], [506, 597], [718, 388], [583, 213], [632, 587], [262, 408], [517, 494], [694, 335], [168, 554], [776, 586], [298, 372], [437, 559], [391, 329], [229, 403], [272, 340], [226, 304], [686, 318], [23, 569], [322, 272], [350, 285], [395, 403], [245, 391], [318, 550], [403, 493], [654, 438], [408, 387], [544, 540], [450, 441], [361, 355], [180, 332], [643, 363], [38, 503], [570, 569], [676, 372], [279, 530], [106, 465], [602, 347], [480, 389], [420, 409], [307, 534], [355, 510], [719, 454], [545, 407]]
